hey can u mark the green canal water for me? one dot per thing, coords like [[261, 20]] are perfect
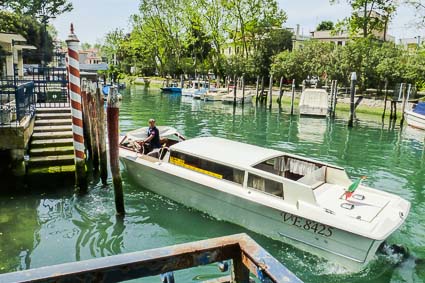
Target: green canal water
[[45, 223]]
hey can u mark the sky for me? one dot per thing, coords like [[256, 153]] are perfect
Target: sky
[[94, 18]]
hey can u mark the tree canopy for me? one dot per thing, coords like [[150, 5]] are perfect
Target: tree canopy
[[325, 25]]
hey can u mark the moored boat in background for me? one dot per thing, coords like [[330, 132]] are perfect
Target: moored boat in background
[[416, 116]]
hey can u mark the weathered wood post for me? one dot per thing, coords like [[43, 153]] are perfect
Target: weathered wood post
[[112, 113], [262, 90], [335, 98], [271, 91], [86, 116], [218, 81], [256, 89], [227, 84], [102, 136], [76, 110], [94, 127], [385, 98], [292, 96], [234, 90], [403, 104], [181, 81], [352, 93], [332, 98], [280, 91], [243, 90]]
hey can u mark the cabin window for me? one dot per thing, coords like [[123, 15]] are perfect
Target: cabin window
[[265, 185], [207, 167]]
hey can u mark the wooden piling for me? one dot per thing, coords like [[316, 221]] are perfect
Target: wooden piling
[[352, 93], [86, 116], [280, 91], [262, 90], [332, 98], [112, 113], [234, 90], [101, 136], [335, 98], [256, 89], [385, 98], [403, 105], [243, 90], [227, 84], [271, 91], [94, 126], [292, 96], [77, 116]]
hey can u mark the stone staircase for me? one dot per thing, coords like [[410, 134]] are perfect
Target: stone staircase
[[51, 149]]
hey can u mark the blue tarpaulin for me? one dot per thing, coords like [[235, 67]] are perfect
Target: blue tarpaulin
[[420, 108]]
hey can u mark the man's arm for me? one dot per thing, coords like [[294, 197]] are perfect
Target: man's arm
[[149, 138]]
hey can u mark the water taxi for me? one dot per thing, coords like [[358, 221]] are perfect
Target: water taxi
[[416, 116], [286, 197]]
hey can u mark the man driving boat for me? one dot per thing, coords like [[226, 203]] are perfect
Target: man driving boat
[[152, 140]]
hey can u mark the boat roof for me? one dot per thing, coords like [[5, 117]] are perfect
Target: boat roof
[[226, 151]]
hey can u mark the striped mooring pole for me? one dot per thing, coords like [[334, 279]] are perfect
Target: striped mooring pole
[[76, 111]]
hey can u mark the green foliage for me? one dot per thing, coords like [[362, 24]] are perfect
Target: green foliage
[[32, 30], [373, 61], [43, 8], [369, 17], [325, 25]]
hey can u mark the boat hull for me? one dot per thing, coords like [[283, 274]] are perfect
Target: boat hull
[[171, 89], [415, 120], [198, 192]]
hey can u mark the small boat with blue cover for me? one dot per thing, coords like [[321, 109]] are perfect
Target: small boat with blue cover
[[416, 116], [174, 88]]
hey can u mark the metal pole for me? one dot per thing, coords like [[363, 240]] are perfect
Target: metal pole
[[112, 112], [352, 93], [77, 117], [292, 96]]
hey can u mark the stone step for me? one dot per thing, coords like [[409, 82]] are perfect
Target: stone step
[[54, 150], [59, 128], [51, 160], [51, 143], [53, 110], [60, 169], [51, 116], [53, 122], [51, 135]]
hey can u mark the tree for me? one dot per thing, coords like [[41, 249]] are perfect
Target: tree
[[369, 16], [325, 25], [85, 46], [419, 6], [49, 8]]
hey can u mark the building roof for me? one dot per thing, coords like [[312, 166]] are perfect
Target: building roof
[[225, 151], [8, 37], [94, 67]]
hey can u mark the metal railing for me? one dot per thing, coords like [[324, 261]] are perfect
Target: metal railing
[[51, 87], [246, 255], [17, 100]]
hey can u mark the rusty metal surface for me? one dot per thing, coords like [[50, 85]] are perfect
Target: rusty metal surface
[[245, 253]]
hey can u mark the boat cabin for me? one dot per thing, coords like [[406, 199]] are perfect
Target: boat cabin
[[199, 84]]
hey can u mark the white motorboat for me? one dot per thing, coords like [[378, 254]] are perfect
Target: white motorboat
[[215, 94], [283, 196], [245, 97], [314, 101], [197, 89], [416, 117]]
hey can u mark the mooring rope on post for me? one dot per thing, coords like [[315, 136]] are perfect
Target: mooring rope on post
[[76, 110]]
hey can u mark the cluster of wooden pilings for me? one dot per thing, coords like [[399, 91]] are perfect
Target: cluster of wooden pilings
[[88, 126]]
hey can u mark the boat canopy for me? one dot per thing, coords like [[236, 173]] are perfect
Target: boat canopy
[[164, 132], [226, 151]]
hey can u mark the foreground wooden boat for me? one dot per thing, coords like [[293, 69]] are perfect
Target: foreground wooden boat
[[280, 195], [416, 117]]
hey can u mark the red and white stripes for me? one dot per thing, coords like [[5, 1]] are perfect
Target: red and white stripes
[[75, 95]]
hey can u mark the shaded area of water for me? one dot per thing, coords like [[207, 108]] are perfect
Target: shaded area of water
[[42, 226]]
